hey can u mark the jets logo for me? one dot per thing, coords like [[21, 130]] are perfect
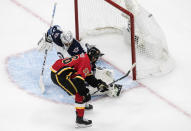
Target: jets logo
[[76, 50], [56, 35]]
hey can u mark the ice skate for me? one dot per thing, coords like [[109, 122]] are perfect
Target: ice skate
[[82, 123], [88, 107]]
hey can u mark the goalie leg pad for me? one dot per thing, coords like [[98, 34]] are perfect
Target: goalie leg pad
[[105, 75], [114, 90]]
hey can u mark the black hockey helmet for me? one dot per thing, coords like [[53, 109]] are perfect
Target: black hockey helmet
[[94, 53]]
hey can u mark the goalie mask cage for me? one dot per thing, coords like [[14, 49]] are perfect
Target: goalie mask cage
[[101, 17]]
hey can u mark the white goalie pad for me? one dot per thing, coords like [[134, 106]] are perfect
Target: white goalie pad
[[106, 75]]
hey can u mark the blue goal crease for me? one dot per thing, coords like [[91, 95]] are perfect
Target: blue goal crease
[[25, 69]]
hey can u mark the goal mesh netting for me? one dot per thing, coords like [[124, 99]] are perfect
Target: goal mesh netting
[[100, 18]]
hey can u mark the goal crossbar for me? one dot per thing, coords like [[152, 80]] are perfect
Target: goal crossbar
[[123, 10]]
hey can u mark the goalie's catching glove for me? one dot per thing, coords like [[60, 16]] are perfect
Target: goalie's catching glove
[[45, 43], [102, 86], [48, 38]]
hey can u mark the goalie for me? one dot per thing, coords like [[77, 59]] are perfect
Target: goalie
[[63, 42], [68, 46]]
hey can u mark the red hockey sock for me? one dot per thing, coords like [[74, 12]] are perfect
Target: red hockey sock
[[80, 106]]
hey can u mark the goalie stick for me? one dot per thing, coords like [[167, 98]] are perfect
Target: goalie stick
[[41, 83], [127, 74]]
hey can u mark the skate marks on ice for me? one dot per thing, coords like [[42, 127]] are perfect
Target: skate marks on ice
[[24, 70]]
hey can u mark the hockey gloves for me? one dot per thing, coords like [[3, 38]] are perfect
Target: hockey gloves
[[48, 38], [45, 44], [102, 86]]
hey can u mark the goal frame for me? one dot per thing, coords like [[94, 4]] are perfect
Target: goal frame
[[132, 28]]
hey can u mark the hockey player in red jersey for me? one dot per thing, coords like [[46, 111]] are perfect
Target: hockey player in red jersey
[[71, 74]]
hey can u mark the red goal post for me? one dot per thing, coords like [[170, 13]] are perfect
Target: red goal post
[[123, 10]]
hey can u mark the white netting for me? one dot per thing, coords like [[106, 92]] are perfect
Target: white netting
[[98, 14], [99, 18]]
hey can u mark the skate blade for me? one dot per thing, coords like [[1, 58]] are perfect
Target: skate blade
[[82, 126], [88, 109], [119, 91]]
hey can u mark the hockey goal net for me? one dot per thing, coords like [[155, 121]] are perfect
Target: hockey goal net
[[138, 29]]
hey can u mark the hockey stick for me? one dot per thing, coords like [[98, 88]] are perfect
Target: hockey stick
[[41, 83], [127, 74]]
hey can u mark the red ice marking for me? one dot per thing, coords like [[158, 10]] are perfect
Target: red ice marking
[[168, 102], [30, 11], [12, 80], [140, 85]]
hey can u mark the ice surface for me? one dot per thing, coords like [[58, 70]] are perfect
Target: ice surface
[[161, 104], [24, 69]]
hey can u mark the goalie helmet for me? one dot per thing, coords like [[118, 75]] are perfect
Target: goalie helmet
[[94, 54], [54, 29], [66, 38]]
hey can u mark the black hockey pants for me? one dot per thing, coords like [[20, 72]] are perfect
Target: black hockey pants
[[62, 79]]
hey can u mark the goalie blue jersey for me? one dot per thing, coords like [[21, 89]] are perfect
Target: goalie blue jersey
[[75, 47]]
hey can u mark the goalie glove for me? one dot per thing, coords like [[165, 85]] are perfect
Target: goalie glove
[[48, 38], [114, 90], [45, 43]]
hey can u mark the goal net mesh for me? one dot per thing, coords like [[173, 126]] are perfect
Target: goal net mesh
[[100, 20]]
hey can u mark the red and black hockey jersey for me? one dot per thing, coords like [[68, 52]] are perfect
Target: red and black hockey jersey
[[80, 63]]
